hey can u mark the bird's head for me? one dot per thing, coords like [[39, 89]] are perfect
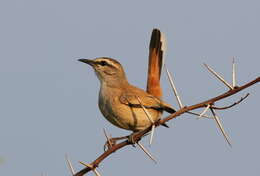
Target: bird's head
[[106, 69]]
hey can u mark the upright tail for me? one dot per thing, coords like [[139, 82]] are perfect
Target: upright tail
[[155, 63]]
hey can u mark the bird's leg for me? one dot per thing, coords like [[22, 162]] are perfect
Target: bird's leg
[[112, 141], [131, 139]]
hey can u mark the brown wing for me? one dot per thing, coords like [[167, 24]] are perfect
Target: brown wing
[[130, 97], [147, 101], [155, 64]]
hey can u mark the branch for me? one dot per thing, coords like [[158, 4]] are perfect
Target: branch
[[139, 135]]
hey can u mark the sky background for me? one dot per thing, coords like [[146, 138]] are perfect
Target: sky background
[[48, 100]]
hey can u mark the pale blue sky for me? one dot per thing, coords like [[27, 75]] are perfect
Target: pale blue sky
[[49, 99]]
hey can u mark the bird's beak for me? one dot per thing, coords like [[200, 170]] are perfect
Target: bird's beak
[[87, 61]]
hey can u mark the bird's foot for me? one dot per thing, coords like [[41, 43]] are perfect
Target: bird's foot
[[131, 139], [112, 141]]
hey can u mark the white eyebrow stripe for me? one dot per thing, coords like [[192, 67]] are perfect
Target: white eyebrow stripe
[[109, 62]]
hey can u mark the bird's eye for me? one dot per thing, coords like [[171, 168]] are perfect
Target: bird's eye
[[103, 63]]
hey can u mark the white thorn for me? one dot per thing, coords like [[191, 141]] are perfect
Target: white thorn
[[221, 127], [233, 73], [107, 137], [205, 110], [145, 111], [91, 167], [151, 137], [96, 172], [105, 133], [146, 152], [205, 116], [173, 88], [149, 117], [218, 76], [72, 171], [87, 165]]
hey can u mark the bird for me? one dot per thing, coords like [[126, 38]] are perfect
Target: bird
[[120, 102]]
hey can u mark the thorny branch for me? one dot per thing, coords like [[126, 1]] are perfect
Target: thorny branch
[[185, 109]]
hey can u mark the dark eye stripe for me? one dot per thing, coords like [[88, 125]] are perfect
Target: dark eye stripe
[[103, 63], [108, 62]]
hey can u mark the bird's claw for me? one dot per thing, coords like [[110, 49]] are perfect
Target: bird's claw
[[112, 141], [132, 140]]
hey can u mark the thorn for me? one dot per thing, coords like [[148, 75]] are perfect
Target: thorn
[[233, 73], [203, 112], [220, 127], [219, 77], [205, 116], [72, 171], [173, 88], [87, 165], [91, 167], [96, 172], [107, 137], [145, 111], [151, 137], [149, 117], [146, 152]]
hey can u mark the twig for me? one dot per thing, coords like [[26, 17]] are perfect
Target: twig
[[210, 101], [173, 87], [218, 76], [236, 103]]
